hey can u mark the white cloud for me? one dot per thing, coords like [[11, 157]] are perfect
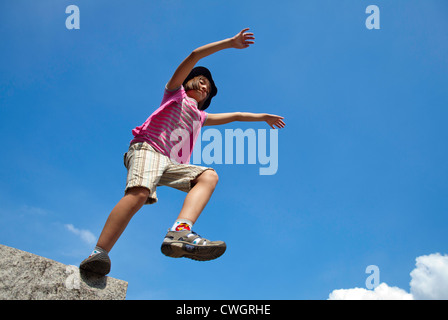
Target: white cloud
[[381, 292], [85, 235], [429, 281], [430, 277]]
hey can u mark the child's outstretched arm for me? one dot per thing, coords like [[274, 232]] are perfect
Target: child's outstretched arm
[[240, 41], [223, 118]]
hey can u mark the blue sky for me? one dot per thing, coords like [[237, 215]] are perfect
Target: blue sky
[[362, 172]]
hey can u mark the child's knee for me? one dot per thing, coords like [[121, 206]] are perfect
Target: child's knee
[[210, 177], [141, 194]]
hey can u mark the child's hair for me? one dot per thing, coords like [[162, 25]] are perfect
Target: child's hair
[[194, 84], [193, 81]]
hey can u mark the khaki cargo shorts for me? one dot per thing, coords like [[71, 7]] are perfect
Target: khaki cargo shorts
[[149, 168]]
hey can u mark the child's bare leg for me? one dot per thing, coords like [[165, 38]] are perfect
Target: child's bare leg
[[199, 195], [180, 241], [120, 216]]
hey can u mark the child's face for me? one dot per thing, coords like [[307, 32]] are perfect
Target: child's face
[[201, 92]]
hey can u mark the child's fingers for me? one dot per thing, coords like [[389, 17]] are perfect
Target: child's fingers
[[247, 39], [280, 124]]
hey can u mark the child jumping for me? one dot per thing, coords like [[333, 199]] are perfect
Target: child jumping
[[153, 160]]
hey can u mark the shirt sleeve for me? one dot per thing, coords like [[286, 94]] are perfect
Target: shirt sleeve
[[204, 116], [176, 94]]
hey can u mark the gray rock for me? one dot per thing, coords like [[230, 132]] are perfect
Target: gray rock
[[26, 276]]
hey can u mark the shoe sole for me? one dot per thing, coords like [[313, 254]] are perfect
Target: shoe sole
[[98, 264], [191, 251]]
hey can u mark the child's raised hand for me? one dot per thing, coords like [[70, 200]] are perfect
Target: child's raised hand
[[274, 120], [242, 39]]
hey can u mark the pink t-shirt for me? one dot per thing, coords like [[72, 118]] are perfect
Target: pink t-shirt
[[174, 127]]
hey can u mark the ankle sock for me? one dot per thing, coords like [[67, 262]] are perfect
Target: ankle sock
[[97, 250], [181, 225]]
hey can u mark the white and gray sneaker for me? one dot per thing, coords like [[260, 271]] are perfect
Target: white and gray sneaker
[[190, 245], [98, 262]]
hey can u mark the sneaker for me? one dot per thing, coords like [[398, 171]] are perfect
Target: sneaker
[[190, 245], [98, 263]]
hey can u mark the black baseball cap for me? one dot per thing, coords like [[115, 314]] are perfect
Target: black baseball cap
[[203, 71]]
